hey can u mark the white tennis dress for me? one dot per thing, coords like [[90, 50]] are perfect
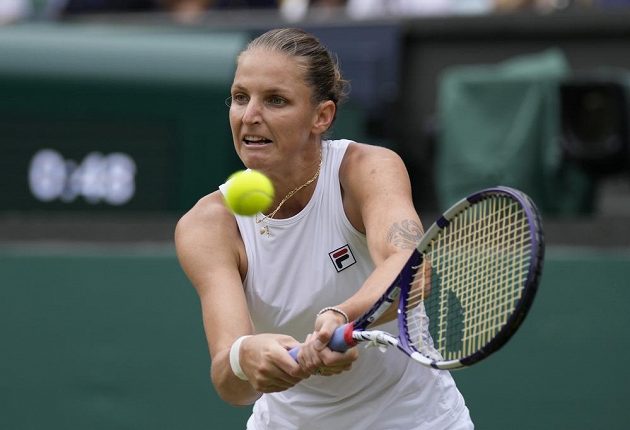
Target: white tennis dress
[[316, 259]]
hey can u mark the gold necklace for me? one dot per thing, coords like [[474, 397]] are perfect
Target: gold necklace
[[265, 229]]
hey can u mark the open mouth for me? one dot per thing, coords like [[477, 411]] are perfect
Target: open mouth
[[255, 140]]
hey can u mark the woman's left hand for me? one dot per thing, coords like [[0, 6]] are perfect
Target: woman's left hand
[[316, 358]]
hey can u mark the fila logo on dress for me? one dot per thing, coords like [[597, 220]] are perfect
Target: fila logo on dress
[[342, 258]]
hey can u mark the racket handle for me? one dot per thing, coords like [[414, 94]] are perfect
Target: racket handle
[[341, 340]]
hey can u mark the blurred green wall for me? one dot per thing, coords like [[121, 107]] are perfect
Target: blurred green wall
[[90, 93], [567, 367], [154, 95], [112, 338], [103, 340]]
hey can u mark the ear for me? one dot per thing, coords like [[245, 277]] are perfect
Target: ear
[[324, 116]]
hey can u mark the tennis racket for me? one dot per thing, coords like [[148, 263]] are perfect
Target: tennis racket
[[467, 286]]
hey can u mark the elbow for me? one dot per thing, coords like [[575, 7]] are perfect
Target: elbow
[[238, 400], [239, 393]]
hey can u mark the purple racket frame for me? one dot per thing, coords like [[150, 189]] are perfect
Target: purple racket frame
[[354, 332]]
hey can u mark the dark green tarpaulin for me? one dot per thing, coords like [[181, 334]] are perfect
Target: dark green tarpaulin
[[500, 125]]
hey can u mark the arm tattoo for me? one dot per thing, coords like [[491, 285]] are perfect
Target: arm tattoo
[[405, 234]]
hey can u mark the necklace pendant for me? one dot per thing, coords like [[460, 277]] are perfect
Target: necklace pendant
[[265, 228]]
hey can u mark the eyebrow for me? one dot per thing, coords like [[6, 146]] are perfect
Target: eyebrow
[[268, 91]]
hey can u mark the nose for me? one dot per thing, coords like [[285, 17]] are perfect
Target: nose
[[252, 112]]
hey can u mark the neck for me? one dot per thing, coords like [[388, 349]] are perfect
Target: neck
[[292, 200]]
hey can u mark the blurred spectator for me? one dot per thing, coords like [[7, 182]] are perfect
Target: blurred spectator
[[294, 10], [544, 6], [326, 9], [179, 7], [187, 11], [14, 10], [365, 9], [333, 4], [513, 5]]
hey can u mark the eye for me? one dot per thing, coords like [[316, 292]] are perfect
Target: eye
[[239, 99], [276, 101]]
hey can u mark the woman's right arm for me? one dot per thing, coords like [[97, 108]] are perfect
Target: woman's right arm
[[212, 254]]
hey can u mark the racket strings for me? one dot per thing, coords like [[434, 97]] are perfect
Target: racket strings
[[470, 280], [488, 319]]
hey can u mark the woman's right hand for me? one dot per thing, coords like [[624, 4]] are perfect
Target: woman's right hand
[[268, 366]]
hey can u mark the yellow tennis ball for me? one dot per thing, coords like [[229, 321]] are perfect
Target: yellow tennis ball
[[248, 192]]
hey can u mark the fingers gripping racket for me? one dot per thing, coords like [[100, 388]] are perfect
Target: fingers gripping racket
[[466, 287]]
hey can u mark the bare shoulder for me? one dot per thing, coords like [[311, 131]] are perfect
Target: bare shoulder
[[375, 186], [205, 215], [372, 170], [358, 154], [207, 235]]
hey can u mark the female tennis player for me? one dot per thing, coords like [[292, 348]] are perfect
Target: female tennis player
[[341, 227]]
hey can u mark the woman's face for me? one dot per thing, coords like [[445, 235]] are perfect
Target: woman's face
[[272, 116]]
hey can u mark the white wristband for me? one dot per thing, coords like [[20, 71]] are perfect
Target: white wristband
[[235, 358]]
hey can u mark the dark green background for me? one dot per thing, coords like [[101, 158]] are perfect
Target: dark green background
[[111, 337], [156, 95], [152, 94]]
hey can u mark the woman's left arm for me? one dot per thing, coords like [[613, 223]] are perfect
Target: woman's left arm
[[377, 200]]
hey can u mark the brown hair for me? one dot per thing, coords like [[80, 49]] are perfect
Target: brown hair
[[321, 72]]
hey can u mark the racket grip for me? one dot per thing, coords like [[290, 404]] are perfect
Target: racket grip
[[340, 341]]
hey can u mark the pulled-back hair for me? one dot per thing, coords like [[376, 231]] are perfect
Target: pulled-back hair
[[321, 72]]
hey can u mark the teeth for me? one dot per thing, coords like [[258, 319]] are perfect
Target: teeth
[[255, 139]]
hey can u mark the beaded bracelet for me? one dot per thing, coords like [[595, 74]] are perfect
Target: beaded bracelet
[[335, 309]]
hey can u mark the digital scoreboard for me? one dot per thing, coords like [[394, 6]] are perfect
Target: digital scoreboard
[[88, 164], [105, 119]]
